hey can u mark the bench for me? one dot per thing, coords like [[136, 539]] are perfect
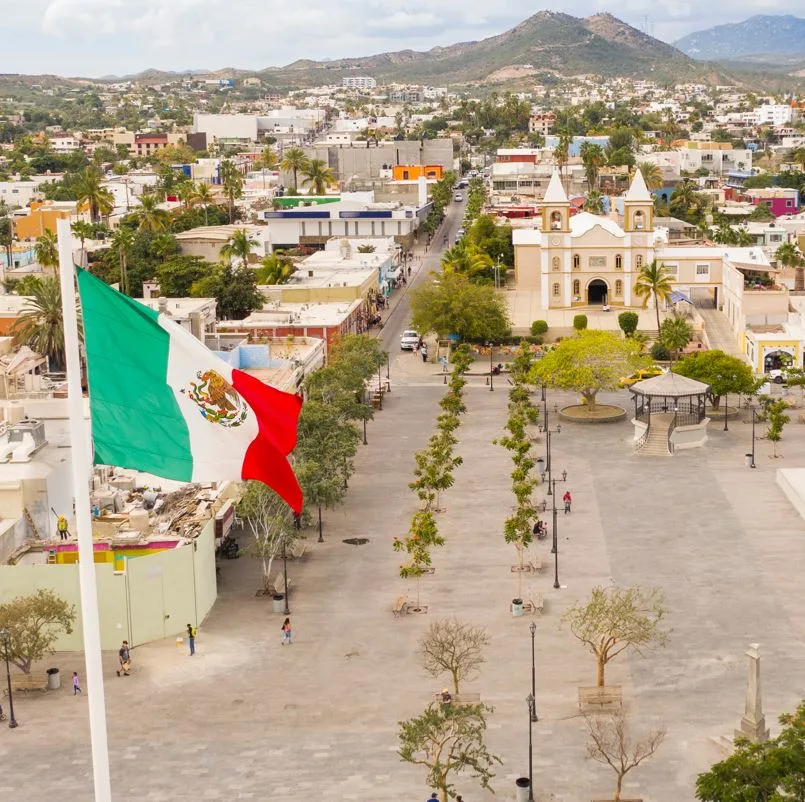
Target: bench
[[36, 681], [297, 549], [460, 698], [535, 604], [278, 585], [400, 606], [600, 698]]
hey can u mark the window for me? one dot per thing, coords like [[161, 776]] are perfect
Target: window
[[639, 221], [703, 270], [638, 262], [618, 287], [556, 221], [576, 262], [576, 287], [618, 262], [556, 289], [555, 263], [672, 270]]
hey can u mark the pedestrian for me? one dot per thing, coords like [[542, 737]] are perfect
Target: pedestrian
[[61, 525], [124, 658], [433, 796], [459, 798], [76, 683], [568, 499], [191, 638], [424, 352], [286, 632]]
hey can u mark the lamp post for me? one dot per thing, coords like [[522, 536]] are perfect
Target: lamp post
[[491, 374], [287, 609], [532, 717], [545, 429], [754, 418], [380, 388], [388, 365], [533, 630], [555, 549], [365, 441], [12, 722]]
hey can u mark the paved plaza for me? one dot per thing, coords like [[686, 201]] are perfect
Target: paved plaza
[[248, 719]]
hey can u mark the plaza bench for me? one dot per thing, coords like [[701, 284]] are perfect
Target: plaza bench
[[460, 698], [278, 585], [400, 606], [601, 698], [535, 604], [297, 549], [35, 681]]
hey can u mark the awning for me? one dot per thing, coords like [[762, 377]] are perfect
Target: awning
[[678, 297]]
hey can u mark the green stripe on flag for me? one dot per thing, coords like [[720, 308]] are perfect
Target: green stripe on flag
[[136, 422]]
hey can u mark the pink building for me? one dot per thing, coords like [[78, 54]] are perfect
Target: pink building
[[780, 200]]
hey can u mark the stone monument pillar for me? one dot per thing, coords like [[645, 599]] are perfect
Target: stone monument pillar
[[753, 723]]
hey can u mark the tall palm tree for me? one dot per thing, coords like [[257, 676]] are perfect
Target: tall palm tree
[[150, 216], [318, 175], [84, 231], [594, 158], [470, 261], [789, 255], [594, 202], [295, 160], [561, 153], [186, 192], [238, 246], [205, 197], [232, 182], [675, 333], [41, 326], [652, 174], [123, 245], [654, 280], [46, 250], [798, 157], [89, 190], [268, 159]]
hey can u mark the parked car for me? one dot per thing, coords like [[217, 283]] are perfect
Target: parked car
[[409, 340], [458, 197], [639, 375]]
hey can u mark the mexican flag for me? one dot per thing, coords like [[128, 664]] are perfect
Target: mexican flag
[[161, 402]]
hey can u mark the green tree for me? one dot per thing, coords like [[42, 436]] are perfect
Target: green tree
[[83, 231], [771, 771], [34, 623], [234, 289], [652, 174], [590, 363], [46, 251], [470, 261], [318, 176], [275, 269], [724, 373], [448, 739], [294, 160], [761, 213], [593, 158], [675, 333], [122, 246], [594, 202], [40, 326], [150, 216], [89, 190], [177, 275], [238, 246], [579, 322], [204, 197], [232, 183], [628, 322], [452, 647], [777, 419], [615, 619], [789, 255], [539, 327], [654, 280], [455, 305]]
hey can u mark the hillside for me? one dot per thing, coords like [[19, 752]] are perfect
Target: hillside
[[762, 34], [548, 42]]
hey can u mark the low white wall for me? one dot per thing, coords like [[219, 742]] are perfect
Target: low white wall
[[792, 482]]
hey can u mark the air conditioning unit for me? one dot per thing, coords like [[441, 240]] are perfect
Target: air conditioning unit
[[28, 426]]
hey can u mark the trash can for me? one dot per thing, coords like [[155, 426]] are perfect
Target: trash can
[[522, 784], [279, 602], [517, 608], [748, 460], [54, 679]]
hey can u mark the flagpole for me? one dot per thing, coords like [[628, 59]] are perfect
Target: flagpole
[[79, 439]]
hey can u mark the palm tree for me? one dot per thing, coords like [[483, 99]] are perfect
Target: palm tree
[[46, 250], [318, 175], [89, 190], [232, 182], [186, 192], [238, 246], [41, 326], [743, 238], [204, 196], [275, 269], [652, 174], [561, 153], [83, 231], [294, 159], [654, 279], [594, 202], [594, 158], [798, 157], [123, 244], [789, 255], [267, 160], [675, 333], [151, 217], [470, 261]]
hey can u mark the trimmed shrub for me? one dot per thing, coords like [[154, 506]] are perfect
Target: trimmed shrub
[[660, 352], [539, 327], [580, 322], [628, 322]]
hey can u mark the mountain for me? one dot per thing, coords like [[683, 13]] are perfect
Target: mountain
[[762, 34], [546, 43]]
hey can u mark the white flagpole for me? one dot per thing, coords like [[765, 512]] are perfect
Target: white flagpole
[[79, 439]]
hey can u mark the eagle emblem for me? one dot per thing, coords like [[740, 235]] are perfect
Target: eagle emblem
[[217, 400]]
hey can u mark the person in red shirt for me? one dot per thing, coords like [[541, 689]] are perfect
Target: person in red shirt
[[568, 499]]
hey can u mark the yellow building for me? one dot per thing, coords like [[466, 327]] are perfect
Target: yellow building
[[42, 216]]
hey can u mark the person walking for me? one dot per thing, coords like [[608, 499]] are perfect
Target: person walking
[[286, 632], [191, 638], [76, 684], [124, 658], [424, 352], [61, 526], [568, 499]]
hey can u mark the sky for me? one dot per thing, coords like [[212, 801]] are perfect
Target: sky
[[93, 38]]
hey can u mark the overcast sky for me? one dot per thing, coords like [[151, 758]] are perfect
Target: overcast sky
[[100, 37]]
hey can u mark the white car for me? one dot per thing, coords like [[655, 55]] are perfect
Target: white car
[[409, 340], [458, 197]]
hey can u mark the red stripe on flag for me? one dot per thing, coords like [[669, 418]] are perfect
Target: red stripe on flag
[[277, 417]]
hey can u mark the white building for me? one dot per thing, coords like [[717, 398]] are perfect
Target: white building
[[64, 144], [358, 82], [773, 114]]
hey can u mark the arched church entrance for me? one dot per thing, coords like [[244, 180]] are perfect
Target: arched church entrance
[[597, 292]]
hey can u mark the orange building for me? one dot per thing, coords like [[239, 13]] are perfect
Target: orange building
[[42, 216], [412, 172]]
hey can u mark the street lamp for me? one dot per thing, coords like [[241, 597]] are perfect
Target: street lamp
[[12, 722], [555, 549], [754, 418], [545, 429], [532, 717], [491, 374], [533, 629], [287, 609]]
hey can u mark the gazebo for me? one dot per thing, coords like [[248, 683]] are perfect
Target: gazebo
[[670, 413]]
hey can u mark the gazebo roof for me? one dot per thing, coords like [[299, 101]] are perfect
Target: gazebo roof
[[669, 385]]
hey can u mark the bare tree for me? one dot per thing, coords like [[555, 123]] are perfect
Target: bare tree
[[612, 745], [453, 647], [613, 619]]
